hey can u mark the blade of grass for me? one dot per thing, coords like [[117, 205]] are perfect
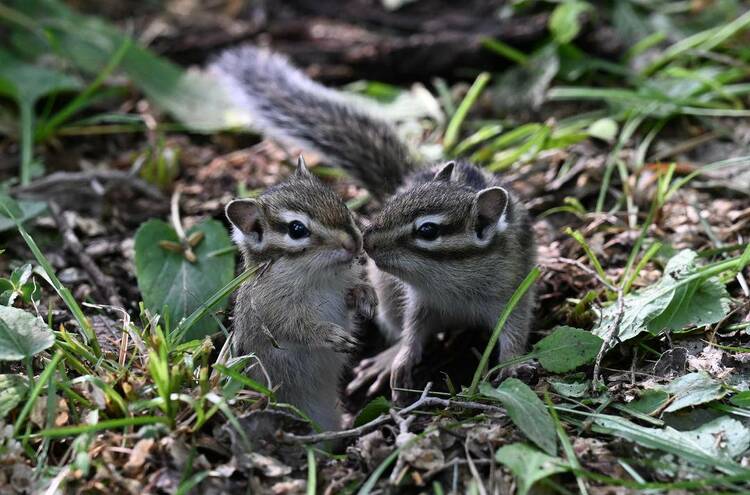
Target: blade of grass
[[36, 391], [705, 40], [205, 308], [451, 133], [505, 50], [110, 424], [567, 447], [83, 98], [578, 237], [514, 300], [311, 471]]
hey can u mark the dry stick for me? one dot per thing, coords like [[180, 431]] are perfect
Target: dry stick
[[423, 401], [104, 283], [66, 180]]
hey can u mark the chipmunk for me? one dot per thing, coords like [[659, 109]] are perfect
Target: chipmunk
[[296, 316], [449, 246]]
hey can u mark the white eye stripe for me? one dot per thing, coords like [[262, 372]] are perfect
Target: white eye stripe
[[289, 216], [437, 219]]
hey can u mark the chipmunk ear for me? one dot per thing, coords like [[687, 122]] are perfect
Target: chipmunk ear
[[445, 173], [489, 211], [302, 170], [245, 215]]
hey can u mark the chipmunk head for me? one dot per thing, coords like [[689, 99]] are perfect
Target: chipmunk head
[[439, 226], [300, 222]]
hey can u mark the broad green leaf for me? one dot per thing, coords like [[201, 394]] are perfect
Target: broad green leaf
[[526, 410], [372, 410], [13, 390], [693, 389], [735, 437], [669, 440], [168, 280], [22, 335], [26, 83], [567, 348], [564, 23], [650, 401], [528, 465], [574, 389], [663, 306]]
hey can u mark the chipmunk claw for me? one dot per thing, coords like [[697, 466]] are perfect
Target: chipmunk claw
[[375, 371], [363, 300], [341, 341]]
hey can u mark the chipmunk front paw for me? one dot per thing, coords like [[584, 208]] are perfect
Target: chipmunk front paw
[[363, 300], [341, 341]]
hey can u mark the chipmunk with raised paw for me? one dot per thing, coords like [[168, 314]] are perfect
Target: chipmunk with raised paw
[[451, 243], [297, 316]]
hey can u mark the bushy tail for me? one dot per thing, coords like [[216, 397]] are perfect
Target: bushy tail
[[285, 104]]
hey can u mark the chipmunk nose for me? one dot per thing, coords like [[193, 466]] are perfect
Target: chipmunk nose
[[348, 243]]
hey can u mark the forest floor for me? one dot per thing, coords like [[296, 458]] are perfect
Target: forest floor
[[622, 127]]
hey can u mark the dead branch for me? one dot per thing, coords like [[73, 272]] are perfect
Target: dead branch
[[422, 402], [103, 283], [98, 181]]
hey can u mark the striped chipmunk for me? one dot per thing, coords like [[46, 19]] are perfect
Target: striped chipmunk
[[450, 244], [296, 317]]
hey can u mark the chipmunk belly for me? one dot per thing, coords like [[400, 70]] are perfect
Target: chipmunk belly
[[329, 302]]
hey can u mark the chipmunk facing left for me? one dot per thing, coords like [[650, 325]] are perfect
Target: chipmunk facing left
[[296, 316]]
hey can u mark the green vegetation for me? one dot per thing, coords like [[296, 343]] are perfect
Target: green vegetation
[[621, 286]]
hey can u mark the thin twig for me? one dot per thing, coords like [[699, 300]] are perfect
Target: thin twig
[[422, 402], [104, 284]]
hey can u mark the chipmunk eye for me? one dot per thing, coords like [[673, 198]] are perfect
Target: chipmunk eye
[[297, 230], [428, 231]]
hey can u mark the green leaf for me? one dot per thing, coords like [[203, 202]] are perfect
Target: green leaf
[[574, 389], [649, 402], [26, 83], [564, 23], [372, 410], [567, 348], [735, 437], [528, 465], [668, 304], [22, 335], [526, 410], [604, 129], [693, 389], [193, 97], [681, 444], [168, 280], [13, 389], [742, 399]]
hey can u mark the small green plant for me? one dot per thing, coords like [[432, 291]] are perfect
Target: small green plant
[[19, 284]]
